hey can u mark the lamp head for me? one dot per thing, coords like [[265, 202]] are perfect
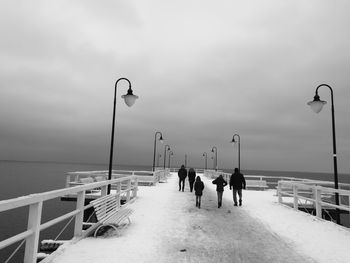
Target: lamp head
[[161, 139], [317, 104], [130, 98], [233, 140]]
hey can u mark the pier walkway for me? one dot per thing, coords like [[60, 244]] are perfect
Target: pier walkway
[[167, 227]]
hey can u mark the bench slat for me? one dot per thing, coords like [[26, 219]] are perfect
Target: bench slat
[[109, 212]]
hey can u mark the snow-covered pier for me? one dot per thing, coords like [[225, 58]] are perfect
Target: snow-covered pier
[[166, 226]]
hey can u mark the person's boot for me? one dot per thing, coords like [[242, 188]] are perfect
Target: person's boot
[[240, 202], [199, 205], [235, 204], [196, 203]]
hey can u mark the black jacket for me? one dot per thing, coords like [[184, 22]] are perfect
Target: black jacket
[[182, 173], [220, 184], [237, 181], [198, 187], [191, 175]]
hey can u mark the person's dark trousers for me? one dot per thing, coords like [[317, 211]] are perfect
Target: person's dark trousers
[[198, 201], [181, 185], [191, 185], [235, 192], [219, 199]]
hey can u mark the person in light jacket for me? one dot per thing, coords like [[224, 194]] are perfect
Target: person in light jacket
[[220, 184], [198, 190], [237, 183]]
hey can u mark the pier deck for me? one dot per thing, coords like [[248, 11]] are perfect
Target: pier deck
[[169, 228]]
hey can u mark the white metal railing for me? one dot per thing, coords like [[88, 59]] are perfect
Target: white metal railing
[[318, 196], [35, 203], [144, 177], [272, 181]]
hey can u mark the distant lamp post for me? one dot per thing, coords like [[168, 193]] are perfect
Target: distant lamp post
[[213, 162], [159, 155], [216, 157], [206, 157], [170, 154], [316, 105], [155, 147], [239, 148], [129, 99], [166, 148]]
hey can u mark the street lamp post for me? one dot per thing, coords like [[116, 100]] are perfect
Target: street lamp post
[[239, 149], [216, 157], [316, 105], [129, 99], [206, 156], [159, 155], [170, 154], [166, 148], [155, 147]]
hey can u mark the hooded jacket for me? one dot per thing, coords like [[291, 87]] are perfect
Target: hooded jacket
[[220, 183]]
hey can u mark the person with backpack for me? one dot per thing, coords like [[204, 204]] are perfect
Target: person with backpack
[[198, 190]]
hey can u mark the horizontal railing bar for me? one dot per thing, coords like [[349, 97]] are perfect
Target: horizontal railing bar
[[58, 219], [16, 238], [40, 197]]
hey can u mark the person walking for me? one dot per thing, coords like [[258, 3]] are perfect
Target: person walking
[[237, 183], [220, 184], [182, 173], [198, 190], [191, 177]]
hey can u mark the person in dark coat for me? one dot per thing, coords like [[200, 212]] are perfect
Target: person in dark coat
[[237, 183], [198, 190], [182, 173], [220, 184], [191, 177]]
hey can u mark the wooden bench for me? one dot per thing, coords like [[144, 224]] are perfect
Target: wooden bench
[[109, 212], [260, 184]]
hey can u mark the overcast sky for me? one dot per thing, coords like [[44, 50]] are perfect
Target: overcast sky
[[203, 70]]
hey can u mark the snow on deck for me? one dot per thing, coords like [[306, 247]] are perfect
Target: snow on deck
[[167, 227]]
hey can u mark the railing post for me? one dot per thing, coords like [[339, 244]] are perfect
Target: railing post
[[32, 242], [78, 224], [128, 191], [135, 188], [67, 180], [104, 190], [119, 190], [279, 189], [295, 196], [349, 205], [318, 202]]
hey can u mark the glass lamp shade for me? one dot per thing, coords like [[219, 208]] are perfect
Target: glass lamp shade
[[161, 139], [316, 105], [129, 99]]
